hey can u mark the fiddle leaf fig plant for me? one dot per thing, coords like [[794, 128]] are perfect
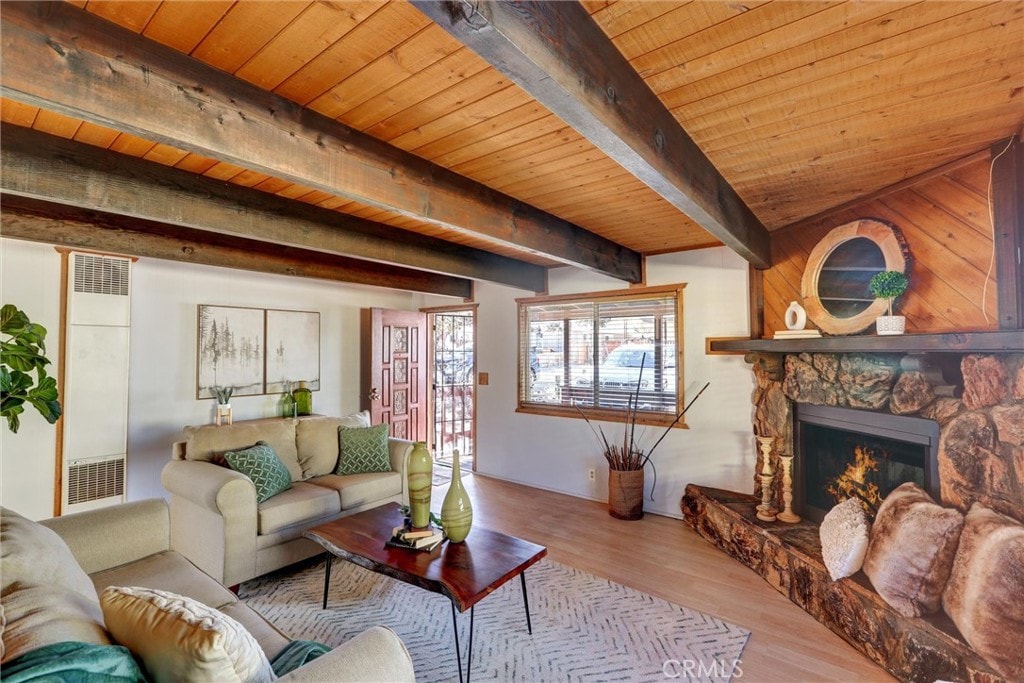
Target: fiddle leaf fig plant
[[23, 377], [888, 285]]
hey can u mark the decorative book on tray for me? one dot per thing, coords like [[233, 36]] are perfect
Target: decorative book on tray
[[409, 538]]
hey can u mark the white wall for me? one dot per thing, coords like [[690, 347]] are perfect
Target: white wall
[[162, 373], [555, 453], [30, 279]]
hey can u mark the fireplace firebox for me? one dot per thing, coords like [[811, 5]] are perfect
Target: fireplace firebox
[[843, 453]]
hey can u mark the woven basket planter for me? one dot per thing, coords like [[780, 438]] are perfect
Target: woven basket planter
[[626, 494]]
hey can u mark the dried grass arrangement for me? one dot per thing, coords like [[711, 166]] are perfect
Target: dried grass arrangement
[[629, 456]]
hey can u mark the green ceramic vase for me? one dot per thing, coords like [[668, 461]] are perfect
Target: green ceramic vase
[[420, 473], [456, 510]]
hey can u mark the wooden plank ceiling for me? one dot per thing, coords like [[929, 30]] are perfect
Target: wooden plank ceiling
[[801, 106]]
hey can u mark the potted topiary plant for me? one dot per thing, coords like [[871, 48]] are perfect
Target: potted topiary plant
[[888, 285], [21, 355]]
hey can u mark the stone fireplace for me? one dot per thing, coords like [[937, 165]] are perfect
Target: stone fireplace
[[951, 421], [974, 401], [842, 453]]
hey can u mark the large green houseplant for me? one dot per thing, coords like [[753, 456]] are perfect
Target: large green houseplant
[[23, 377]]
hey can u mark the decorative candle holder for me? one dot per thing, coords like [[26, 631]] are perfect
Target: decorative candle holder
[[787, 515], [765, 511]]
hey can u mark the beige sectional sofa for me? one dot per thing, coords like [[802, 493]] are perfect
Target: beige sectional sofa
[[215, 519], [50, 583]]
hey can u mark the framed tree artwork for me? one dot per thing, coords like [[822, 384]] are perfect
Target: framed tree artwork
[[293, 350], [230, 350]]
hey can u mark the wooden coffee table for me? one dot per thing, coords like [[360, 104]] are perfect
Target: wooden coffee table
[[465, 572]]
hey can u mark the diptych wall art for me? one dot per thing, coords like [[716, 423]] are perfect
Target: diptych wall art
[[293, 350], [255, 350]]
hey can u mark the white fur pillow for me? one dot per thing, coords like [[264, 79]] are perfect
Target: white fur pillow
[[844, 538], [180, 639]]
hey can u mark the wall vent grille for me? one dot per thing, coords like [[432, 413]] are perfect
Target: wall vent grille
[[92, 480], [101, 275]]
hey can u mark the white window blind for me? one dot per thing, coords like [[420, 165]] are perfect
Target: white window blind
[[598, 352]]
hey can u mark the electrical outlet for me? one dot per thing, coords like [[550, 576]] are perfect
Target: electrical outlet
[[591, 474]]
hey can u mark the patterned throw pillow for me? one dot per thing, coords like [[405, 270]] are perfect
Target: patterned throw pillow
[[261, 464], [363, 449]]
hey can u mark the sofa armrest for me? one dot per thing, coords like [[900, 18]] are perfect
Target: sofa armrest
[[376, 654], [112, 536], [398, 452], [213, 518]]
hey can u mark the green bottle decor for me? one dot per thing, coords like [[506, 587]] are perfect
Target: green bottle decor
[[457, 510], [303, 400], [421, 473], [288, 407]]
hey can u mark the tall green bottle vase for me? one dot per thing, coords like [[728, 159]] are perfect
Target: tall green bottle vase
[[456, 510], [420, 473]]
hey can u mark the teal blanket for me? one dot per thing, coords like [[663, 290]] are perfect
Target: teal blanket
[[295, 654], [74, 663]]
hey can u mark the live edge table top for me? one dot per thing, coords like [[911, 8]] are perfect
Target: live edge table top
[[465, 572]]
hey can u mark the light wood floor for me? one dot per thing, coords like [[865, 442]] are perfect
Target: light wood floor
[[664, 557]]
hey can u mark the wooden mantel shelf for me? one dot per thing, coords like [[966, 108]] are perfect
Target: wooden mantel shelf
[[952, 342]]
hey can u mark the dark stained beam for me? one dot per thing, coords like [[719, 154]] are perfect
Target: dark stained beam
[[64, 59], [37, 221], [558, 54], [1008, 218], [34, 164]]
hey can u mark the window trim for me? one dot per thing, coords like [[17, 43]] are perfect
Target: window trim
[[593, 413]]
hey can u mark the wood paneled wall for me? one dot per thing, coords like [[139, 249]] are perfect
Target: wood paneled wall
[[945, 221]]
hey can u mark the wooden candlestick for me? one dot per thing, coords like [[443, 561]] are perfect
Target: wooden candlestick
[[787, 515], [765, 511]]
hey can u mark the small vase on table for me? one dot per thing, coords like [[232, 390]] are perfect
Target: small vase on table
[[457, 509], [420, 471]]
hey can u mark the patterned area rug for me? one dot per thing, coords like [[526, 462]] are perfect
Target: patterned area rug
[[584, 628]]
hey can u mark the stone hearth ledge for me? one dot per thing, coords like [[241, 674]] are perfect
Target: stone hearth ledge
[[788, 557]]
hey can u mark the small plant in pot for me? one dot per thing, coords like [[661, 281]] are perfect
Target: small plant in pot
[[888, 285], [223, 395]]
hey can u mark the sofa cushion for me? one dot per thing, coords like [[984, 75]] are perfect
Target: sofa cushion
[[363, 449], [910, 553], [47, 598], [180, 639], [210, 442], [985, 593], [266, 634], [362, 489], [260, 463], [316, 440], [167, 571], [301, 502]]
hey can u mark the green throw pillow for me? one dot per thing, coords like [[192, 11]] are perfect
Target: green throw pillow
[[363, 449], [261, 464]]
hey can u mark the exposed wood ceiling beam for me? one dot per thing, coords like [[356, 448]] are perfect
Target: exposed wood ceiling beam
[[63, 171], [110, 76], [37, 221], [557, 53]]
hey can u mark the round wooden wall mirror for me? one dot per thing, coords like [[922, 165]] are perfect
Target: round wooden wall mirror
[[835, 282]]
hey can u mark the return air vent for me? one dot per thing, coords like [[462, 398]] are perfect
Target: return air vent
[[101, 275], [94, 480]]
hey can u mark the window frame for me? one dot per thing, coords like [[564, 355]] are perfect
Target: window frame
[[592, 412]]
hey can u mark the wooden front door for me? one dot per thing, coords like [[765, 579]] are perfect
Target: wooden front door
[[394, 370]]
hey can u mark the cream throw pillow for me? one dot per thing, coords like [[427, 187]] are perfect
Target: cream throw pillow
[[180, 639], [844, 539]]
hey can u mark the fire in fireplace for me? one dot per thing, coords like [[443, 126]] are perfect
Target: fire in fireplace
[[843, 453]]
